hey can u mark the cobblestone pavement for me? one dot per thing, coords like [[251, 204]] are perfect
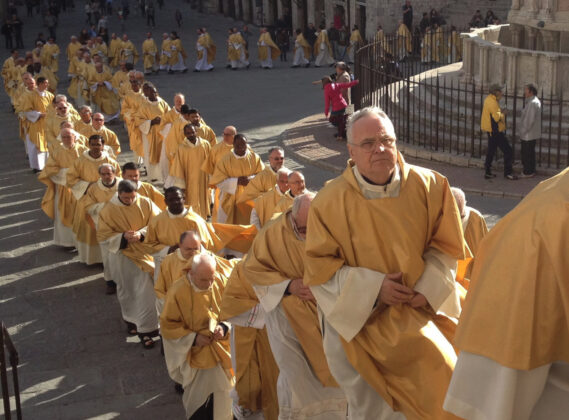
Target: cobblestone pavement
[[76, 359]]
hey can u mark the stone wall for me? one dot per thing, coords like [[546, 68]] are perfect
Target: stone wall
[[485, 61]]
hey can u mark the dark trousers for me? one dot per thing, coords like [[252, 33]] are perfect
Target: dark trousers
[[205, 412], [528, 156], [499, 141], [338, 118], [150, 18], [9, 42]]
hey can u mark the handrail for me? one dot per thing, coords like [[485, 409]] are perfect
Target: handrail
[[6, 343]]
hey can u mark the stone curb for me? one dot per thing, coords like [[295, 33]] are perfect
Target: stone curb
[[410, 151]]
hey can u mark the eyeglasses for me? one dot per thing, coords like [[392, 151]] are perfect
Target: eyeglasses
[[98, 119], [371, 144], [277, 158]]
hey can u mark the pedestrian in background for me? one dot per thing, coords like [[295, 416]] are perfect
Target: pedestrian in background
[[283, 43], [7, 31], [18, 27], [408, 15], [493, 122], [530, 130], [334, 99], [178, 17]]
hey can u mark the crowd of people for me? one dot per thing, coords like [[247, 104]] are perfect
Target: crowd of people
[[272, 301]]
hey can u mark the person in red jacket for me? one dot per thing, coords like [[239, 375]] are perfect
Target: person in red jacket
[[333, 98]]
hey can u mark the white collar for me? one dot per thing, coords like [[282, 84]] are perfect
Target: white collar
[[240, 157], [190, 144], [182, 214], [92, 159], [379, 191]]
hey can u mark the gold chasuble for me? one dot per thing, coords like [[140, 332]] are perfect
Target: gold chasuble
[[266, 203], [217, 153], [165, 230], [404, 39], [256, 371], [36, 101], [190, 310], [267, 46], [111, 139], [263, 182], [475, 230], [284, 203], [276, 256], [149, 191], [175, 135], [402, 352], [54, 176], [101, 91], [85, 170], [517, 305], [117, 218], [149, 51], [129, 104], [186, 169], [301, 42], [146, 112], [232, 166]]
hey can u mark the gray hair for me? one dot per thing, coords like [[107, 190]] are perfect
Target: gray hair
[[300, 201], [107, 165], [60, 97], [368, 112], [272, 149], [86, 107], [284, 170], [200, 259], [460, 198]]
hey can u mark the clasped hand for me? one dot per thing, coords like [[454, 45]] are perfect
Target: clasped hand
[[132, 236], [204, 340], [393, 292], [296, 287]]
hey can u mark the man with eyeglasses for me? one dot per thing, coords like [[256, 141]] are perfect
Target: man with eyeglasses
[[381, 261], [266, 179], [296, 187], [98, 127], [275, 269]]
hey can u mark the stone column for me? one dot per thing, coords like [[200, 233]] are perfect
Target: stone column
[[550, 40], [531, 43], [516, 32], [467, 57], [511, 80], [280, 8], [515, 4], [246, 10], [294, 12], [483, 65], [310, 12], [554, 63]]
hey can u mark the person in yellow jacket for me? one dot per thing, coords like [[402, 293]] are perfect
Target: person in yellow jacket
[[322, 49], [268, 50], [493, 122], [356, 41], [404, 45], [149, 52], [301, 51]]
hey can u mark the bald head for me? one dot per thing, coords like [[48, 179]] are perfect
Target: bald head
[[229, 134], [98, 120], [179, 100], [203, 271], [296, 183]]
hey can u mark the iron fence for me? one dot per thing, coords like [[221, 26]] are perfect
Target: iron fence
[[440, 112], [7, 344]]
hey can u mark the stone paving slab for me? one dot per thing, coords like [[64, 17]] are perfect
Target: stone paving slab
[[313, 141]]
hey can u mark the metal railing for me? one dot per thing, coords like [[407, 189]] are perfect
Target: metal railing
[[7, 344], [442, 113]]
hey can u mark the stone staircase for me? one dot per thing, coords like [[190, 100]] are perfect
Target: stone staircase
[[460, 12], [449, 121]]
